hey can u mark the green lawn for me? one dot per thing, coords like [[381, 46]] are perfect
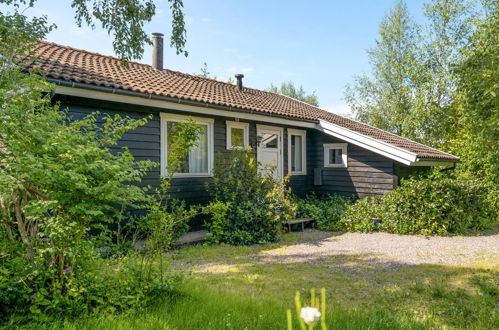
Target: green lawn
[[230, 287]]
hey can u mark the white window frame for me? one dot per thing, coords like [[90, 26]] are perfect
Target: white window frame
[[303, 134], [166, 117], [344, 156], [240, 125]]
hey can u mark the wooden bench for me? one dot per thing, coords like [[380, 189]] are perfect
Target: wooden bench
[[301, 221]]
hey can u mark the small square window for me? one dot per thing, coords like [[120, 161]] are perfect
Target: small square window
[[237, 135], [335, 155]]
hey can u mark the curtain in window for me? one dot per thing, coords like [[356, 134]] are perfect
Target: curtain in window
[[198, 155], [296, 153], [197, 159]]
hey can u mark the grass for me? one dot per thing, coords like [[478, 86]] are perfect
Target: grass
[[231, 287], [462, 296], [198, 307]]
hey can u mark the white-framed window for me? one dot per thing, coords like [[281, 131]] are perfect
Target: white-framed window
[[237, 135], [297, 151], [335, 155], [199, 161]]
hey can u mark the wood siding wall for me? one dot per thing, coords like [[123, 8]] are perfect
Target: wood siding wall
[[367, 173]]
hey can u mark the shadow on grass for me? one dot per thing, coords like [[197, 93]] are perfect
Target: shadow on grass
[[433, 295], [198, 307]]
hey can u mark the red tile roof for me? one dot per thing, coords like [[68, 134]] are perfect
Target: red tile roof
[[75, 65]]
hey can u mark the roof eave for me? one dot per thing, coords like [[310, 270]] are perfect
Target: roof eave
[[435, 162], [377, 146], [395, 153], [71, 88]]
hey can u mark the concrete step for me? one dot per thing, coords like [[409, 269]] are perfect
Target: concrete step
[[192, 237]]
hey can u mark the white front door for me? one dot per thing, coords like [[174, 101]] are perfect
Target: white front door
[[269, 149]]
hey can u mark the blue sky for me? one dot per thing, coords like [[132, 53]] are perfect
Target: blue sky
[[318, 44]]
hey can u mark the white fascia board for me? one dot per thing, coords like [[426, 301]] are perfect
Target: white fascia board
[[398, 154], [163, 104]]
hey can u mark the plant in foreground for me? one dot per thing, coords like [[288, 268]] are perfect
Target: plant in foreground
[[309, 316]]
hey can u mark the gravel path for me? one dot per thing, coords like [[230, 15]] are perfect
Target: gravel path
[[390, 249]]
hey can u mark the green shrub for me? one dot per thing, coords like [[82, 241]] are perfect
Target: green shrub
[[36, 292], [325, 210], [61, 190], [248, 206], [165, 221], [425, 206]]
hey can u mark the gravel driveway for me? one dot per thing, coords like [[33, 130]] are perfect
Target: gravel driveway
[[389, 249]]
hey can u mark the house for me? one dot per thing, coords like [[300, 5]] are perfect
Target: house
[[323, 152]]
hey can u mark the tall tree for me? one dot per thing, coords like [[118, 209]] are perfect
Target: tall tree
[[289, 89], [476, 134], [412, 83], [450, 23], [385, 98]]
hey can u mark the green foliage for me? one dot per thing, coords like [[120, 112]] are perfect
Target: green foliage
[[438, 84], [36, 291], [248, 206], [123, 19], [325, 210], [412, 83], [61, 190], [59, 180], [385, 98], [166, 220], [432, 206], [475, 134], [298, 93], [205, 73]]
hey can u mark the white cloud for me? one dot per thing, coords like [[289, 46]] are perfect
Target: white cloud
[[340, 108], [159, 12], [246, 70]]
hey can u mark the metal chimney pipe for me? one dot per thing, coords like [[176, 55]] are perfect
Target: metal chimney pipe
[[157, 51], [239, 78]]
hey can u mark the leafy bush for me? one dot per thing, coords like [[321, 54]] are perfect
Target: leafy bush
[[325, 210], [37, 291], [61, 189], [426, 206], [248, 206]]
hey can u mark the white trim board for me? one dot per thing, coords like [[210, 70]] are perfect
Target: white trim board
[[86, 93]]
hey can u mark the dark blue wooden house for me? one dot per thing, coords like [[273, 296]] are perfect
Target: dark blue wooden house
[[323, 152]]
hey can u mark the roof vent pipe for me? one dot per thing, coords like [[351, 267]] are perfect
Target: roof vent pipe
[[239, 78], [157, 51]]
